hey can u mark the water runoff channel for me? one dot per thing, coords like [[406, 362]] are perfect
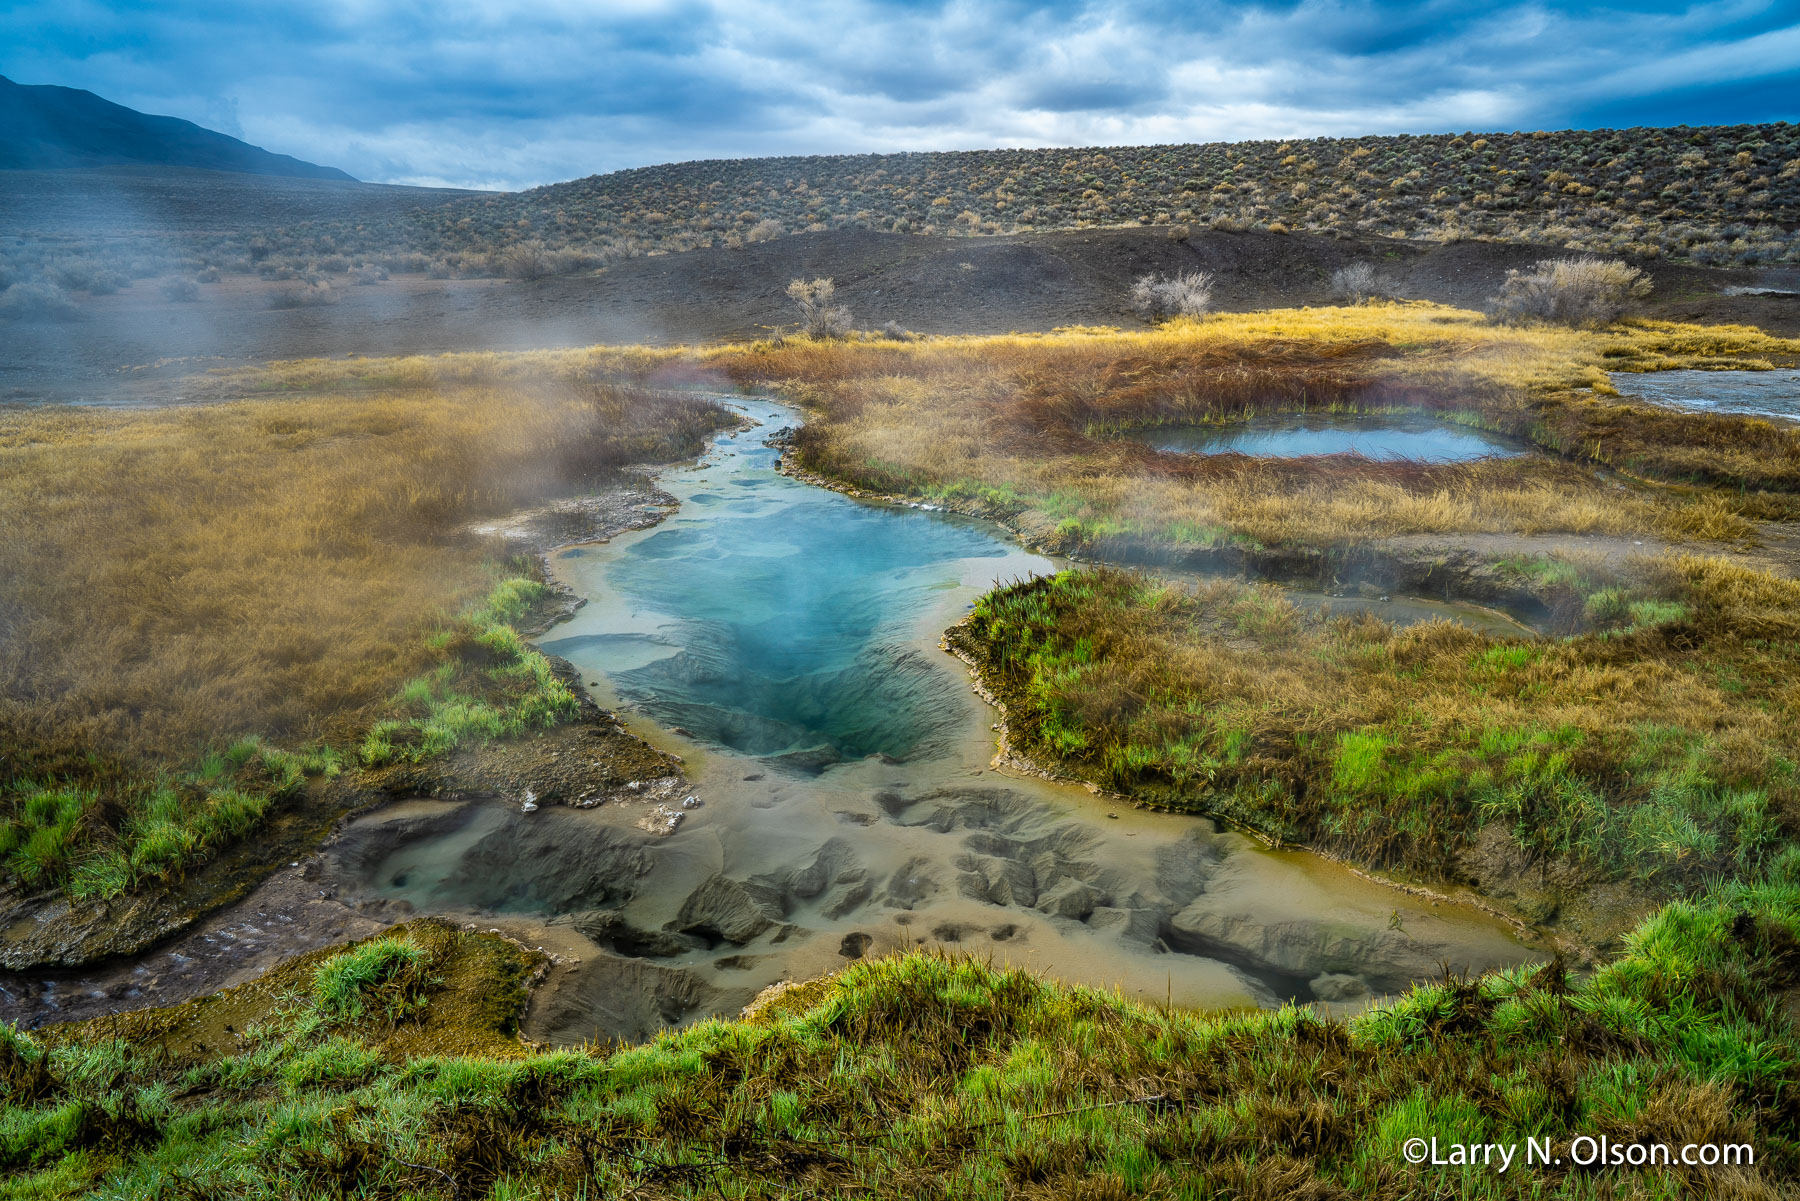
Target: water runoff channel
[[785, 641]]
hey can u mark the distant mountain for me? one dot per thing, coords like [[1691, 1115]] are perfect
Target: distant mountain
[[43, 126]]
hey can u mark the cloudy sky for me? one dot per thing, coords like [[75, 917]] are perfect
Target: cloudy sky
[[507, 94]]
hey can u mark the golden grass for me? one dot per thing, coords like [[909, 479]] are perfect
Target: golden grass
[[463, 369], [170, 579], [1007, 424], [1022, 424]]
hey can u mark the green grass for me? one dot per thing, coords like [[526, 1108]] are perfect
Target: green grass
[[488, 684], [61, 835], [923, 1076], [1618, 750], [386, 975]]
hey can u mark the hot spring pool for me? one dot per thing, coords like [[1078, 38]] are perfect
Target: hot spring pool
[[1383, 438]]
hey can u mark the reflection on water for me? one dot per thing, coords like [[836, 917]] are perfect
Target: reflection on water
[[1762, 393], [1304, 434], [785, 639]]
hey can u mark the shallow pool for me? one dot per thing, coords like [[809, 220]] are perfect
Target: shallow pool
[[1304, 435]]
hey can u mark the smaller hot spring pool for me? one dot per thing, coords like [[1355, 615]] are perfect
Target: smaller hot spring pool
[[1419, 439]]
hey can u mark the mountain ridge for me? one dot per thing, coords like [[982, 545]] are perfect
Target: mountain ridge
[[49, 127]]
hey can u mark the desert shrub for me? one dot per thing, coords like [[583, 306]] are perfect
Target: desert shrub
[[1188, 294], [1627, 194], [1583, 291], [819, 317], [1357, 283], [527, 260], [86, 274], [37, 302], [180, 287], [304, 296]]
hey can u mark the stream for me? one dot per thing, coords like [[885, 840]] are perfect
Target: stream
[[784, 639], [840, 801]]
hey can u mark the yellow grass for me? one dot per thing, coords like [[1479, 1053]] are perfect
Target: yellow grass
[[943, 417], [170, 579], [1012, 420]]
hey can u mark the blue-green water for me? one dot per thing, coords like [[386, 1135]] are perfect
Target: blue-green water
[[777, 619], [1304, 435], [846, 795]]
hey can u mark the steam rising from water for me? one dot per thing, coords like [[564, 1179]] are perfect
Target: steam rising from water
[[772, 619], [1379, 438]]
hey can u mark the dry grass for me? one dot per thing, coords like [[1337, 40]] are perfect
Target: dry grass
[[173, 581], [179, 576], [1022, 425]]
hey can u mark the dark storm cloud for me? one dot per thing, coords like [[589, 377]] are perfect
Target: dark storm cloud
[[508, 93]]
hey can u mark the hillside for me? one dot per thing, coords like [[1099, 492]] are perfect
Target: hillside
[[1727, 194], [1720, 196], [43, 126], [167, 207]]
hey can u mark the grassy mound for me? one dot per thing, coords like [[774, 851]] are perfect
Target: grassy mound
[[1657, 748], [385, 1070]]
